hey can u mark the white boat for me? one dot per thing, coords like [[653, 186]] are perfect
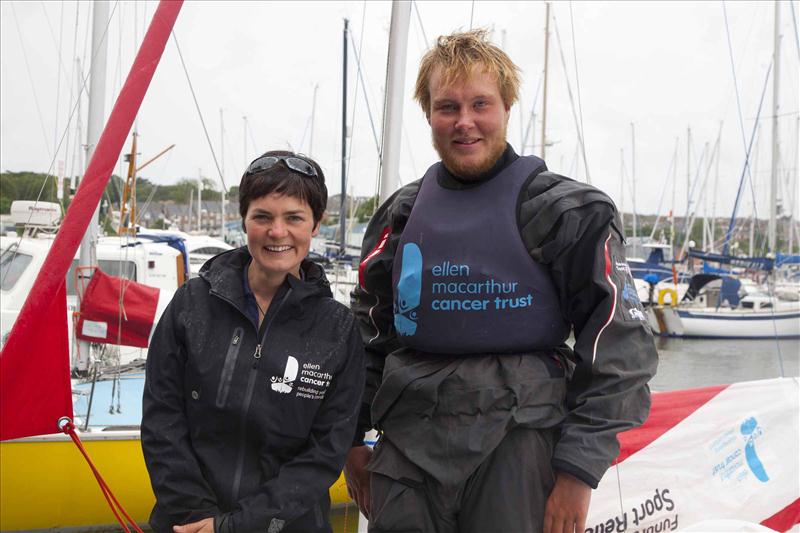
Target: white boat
[[200, 247], [711, 313]]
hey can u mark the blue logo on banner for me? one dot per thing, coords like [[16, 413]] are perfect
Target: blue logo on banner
[[409, 287], [751, 432]]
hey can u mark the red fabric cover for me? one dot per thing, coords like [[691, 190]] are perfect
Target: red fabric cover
[[34, 360], [127, 325]]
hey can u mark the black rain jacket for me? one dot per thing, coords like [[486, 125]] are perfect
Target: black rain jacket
[[573, 229], [231, 428]]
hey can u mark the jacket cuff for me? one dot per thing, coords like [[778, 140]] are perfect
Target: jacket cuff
[[567, 468]]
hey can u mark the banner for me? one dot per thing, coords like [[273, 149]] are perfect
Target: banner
[[728, 452]]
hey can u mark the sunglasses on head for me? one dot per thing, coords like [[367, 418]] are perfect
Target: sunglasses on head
[[292, 163]]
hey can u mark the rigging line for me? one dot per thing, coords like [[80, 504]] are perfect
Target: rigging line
[[746, 169], [415, 3], [30, 79], [663, 190], [355, 102], [199, 113], [529, 129], [72, 113], [577, 78], [153, 190], [794, 23], [58, 78], [252, 140], [305, 131], [72, 83], [57, 46], [471, 14], [366, 96], [736, 87], [571, 100]]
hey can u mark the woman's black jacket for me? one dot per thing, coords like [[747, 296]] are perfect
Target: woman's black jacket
[[249, 427]]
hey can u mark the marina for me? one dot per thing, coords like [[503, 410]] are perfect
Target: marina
[[722, 438]]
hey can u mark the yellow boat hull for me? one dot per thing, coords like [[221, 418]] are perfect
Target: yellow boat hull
[[45, 482]]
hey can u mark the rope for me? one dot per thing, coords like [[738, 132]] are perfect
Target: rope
[[200, 114], [69, 428]]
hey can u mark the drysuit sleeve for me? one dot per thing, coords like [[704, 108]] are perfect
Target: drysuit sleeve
[[614, 355], [304, 479], [371, 300], [182, 494]]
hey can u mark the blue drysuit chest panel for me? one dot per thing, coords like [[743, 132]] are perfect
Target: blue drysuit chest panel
[[462, 279]]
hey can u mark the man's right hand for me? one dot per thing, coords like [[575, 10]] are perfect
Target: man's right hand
[[357, 477]]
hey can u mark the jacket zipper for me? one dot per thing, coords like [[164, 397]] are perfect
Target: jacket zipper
[[248, 397], [229, 366]]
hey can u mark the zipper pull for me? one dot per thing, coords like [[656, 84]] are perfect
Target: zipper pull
[[257, 355]]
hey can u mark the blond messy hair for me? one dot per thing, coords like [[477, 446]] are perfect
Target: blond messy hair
[[459, 54]]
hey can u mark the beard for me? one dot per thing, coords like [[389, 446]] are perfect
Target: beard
[[466, 169]]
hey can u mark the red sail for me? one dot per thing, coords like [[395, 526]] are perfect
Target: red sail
[[35, 389]]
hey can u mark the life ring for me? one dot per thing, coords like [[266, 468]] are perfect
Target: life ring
[[673, 296]]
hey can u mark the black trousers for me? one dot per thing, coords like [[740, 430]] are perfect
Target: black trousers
[[507, 493]]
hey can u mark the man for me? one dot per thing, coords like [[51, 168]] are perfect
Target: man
[[470, 282]]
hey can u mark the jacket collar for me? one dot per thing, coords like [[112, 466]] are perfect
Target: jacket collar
[[224, 274]]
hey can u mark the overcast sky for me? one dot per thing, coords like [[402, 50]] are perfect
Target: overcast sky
[[663, 67]]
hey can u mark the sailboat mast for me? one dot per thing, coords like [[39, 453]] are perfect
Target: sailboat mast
[[313, 116], [222, 184], [633, 190], [95, 122], [544, 94], [622, 189], [199, 200], [393, 103], [672, 208], [342, 205], [773, 186]]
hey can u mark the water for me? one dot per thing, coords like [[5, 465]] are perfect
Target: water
[[689, 363]]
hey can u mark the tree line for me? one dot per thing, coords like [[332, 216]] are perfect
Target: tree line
[[33, 185]]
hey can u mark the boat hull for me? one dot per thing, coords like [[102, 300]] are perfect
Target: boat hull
[[45, 482], [724, 324]]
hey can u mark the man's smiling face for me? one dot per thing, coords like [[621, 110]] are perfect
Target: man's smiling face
[[468, 121]]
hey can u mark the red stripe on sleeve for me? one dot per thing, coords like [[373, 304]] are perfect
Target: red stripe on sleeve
[[375, 251]]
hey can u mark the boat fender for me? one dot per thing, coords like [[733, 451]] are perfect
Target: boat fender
[[673, 296]]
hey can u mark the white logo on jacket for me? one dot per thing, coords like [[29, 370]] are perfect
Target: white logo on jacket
[[284, 384]]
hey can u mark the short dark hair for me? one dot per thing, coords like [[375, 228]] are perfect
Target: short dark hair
[[283, 180]]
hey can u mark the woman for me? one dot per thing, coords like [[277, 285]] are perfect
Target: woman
[[254, 373]]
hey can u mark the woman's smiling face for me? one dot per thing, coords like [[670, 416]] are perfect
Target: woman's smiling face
[[279, 232]]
